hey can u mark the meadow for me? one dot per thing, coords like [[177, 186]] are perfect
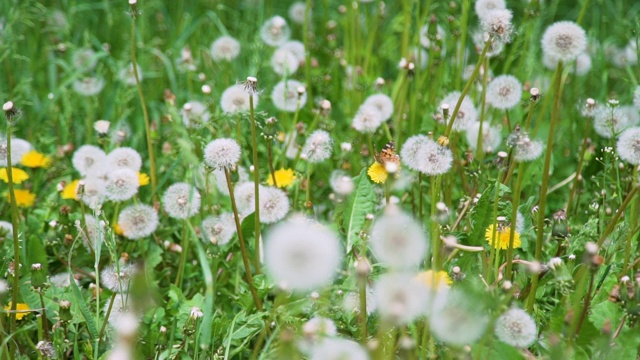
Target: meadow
[[319, 179]]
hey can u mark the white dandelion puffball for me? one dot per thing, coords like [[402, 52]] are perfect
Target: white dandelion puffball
[[383, 103], [236, 99], [84, 60], [491, 137], [302, 255], [88, 86], [564, 40], [341, 183], [221, 180], [19, 147], [583, 64], [274, 205], [516, 328], [62, 280], [608, 122], [124, 157], [628, 146], [480, 39], [138, 221], [425, 40], [225, 48], [338, 349], [368, 119], [222, 154], [93, 233], [181, 201], [118, 277], [400, 297], [93, 192], [497, 23], [128, 76], [122, 184], [194, 114], [484, 7], [296, 48], [422, 154], [633, 117], [285, 96], [86, 157], [351, 301], [297, 12], [636, 98], [318, 146], [319, 327], [275, 31], [121, 306], [284, 62], [244, 193], [218, 230], [528, 150], [467, 114], [397, 240], [504, 92], [6, 229], [457, 319]]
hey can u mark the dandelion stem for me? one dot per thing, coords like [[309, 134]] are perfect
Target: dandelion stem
[[436, 243], [147, 124], [271, 168], [15, 221], [183, 254], [307, 202], [483, 103], [362, 315], [542, 204], [256, 182], [515, 202], [577, 179], [614, 221], [106, 318], [243, 248]]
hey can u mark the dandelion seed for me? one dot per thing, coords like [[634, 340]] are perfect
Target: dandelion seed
[[516, 328], [456, 318], [400, 298], [88, 86], [285, 96], [194, 114], [92, 191], [528, 150], [275, 31], [467, 113], [101, 126], [628, 146], [218, 230], [181, 201], [491, 137], [583, 64], [302, 255], [336, 349], [500, 240], [225, 48], [19, 148], [122, 184], [46, 349], [564, 40], [381, 102], [504, 92], [124, 157], [368, 119], [425, 155], [284, 62], [636, 98], [138, 221], [236, 99], [397, 240], [222, 154], [117, 278], [318, 146], [87, 157]]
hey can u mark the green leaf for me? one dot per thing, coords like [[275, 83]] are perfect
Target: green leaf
[[361, 203], [248, 226], [84, 309]]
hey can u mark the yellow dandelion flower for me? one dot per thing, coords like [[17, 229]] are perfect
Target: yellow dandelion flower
[[70, 190], [281, 136], [501, 240], [378, 173], [143, 179], [284, 178], [441, 279], [22, 310], [18, 175], [118, 230], [34, 159], [24, 198]]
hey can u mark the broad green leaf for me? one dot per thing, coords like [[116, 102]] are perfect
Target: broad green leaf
[[361, 202], [84, 309]]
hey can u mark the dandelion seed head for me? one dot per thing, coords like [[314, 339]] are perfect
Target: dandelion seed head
[[284, 62], [122, 184], [400, 297], [583, 64], [181, 201], [274, 205], [275, 31], [194, 114], [93, 234], [124, 157], [497, 23], [351, 301], [383, 103], [340, 183], [484, 7], [19, 148], [491, 137], [608, 122], [6, 230], [564, 40], [62, 280], [628, 145], [88, 86], [504, 92], [297, 12], [318, 146], [93, 192], [302, 254], [336, 349], [516, 328], [84, 60], [118, 277], [422, 154], [285, 96], [319, 327], [138, 221], [480, 39], [87, 157], [218, 230], [296, 48], [245, 197], [121, 306], [397, 240], [636, 98], [467, 114], [225, 48], [127, 76], [222, 154], [456, 318], [236, 99], [528, 150], [368, 119]]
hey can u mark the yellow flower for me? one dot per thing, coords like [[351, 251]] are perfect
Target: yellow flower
[[70, 190], [118, 230], [284, 178], [18, 175], [501, 240], [143, 179], [34, 159], [24, 198], [22, 310], [377, 173], [440, 278]]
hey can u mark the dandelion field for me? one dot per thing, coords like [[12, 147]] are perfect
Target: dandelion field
[[320, 179]]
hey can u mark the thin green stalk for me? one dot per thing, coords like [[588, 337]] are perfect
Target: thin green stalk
[[555, 114], [307, 203], [272, 170], [436, 243], [362, 315], [147, 124], [183, 254], [577, 180], [464, 23], [106, 319], [243, 247], [483, 103], [634, 215], [495, 247], [467, 87], [614, 221], [515, 202], [307, 55], [256, 182]]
